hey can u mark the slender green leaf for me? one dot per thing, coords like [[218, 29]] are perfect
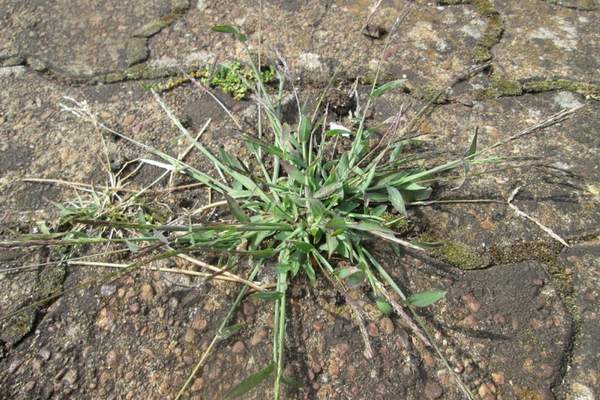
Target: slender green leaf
[[386, 87], [473, 147], [384, 306], [310, 273], [236, 210], [328, 190], [304, 129], [317, 209], [250, 382], [230, 29], [229, 331], [395, 155], [397, 200], [302, 246], [425, 299], [352, 275], [331, 243], [274, 295], [292, 382], [293, 172]]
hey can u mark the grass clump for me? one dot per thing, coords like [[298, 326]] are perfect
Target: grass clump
[[303, 207]]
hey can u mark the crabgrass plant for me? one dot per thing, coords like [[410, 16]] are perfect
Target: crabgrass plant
[[305, 208]]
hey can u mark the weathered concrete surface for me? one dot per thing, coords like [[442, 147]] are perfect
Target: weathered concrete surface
[[582, 381], [524, 327], [79, 38]]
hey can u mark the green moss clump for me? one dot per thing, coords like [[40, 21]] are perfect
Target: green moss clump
[[584, 5], [400, 225], [155, 26], [11, 60], [586, 89], [136, 51], [429, 93], [500, 86], [493, 32], [452, 2], [546, 253], [458, 255]]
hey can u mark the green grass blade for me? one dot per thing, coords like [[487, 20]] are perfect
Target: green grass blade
[[425, 299], [236, 210], [397, 200]]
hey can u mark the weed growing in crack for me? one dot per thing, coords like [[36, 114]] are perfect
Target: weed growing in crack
[[307, 208]]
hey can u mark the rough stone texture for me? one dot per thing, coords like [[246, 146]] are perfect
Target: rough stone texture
[[582, 381], [519, 320]]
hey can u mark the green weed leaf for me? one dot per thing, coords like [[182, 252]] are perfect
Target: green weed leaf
[[384, 306], [230, 29], [236, 210], [386, 87], [397, 200], [473, 147], [425, 299], [271, 296], [304, 129], [250, 382], [229, 331], [292, 382]]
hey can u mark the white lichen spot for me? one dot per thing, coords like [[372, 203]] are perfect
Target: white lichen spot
[[441, 45], [566, 100], [201, 57], [474, 28], [420, 33], [373, 64], [164, 62], [310, 61], [424, 37], [580, 392], [565, 37], [10, 72]]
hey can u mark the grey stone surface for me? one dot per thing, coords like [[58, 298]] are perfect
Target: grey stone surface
[[582, 380]]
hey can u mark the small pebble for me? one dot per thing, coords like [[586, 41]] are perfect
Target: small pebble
[[112, 358], [315, 367], [147, 292], [238, 347], [387, 326], [173, 303], [433, 390], [45, 354], [372, 330], [70, 377], [105, 319], [471, 302], [498, 378], [190, 335], [198, 384], [258, 337], [199, 323], [108, 290]]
